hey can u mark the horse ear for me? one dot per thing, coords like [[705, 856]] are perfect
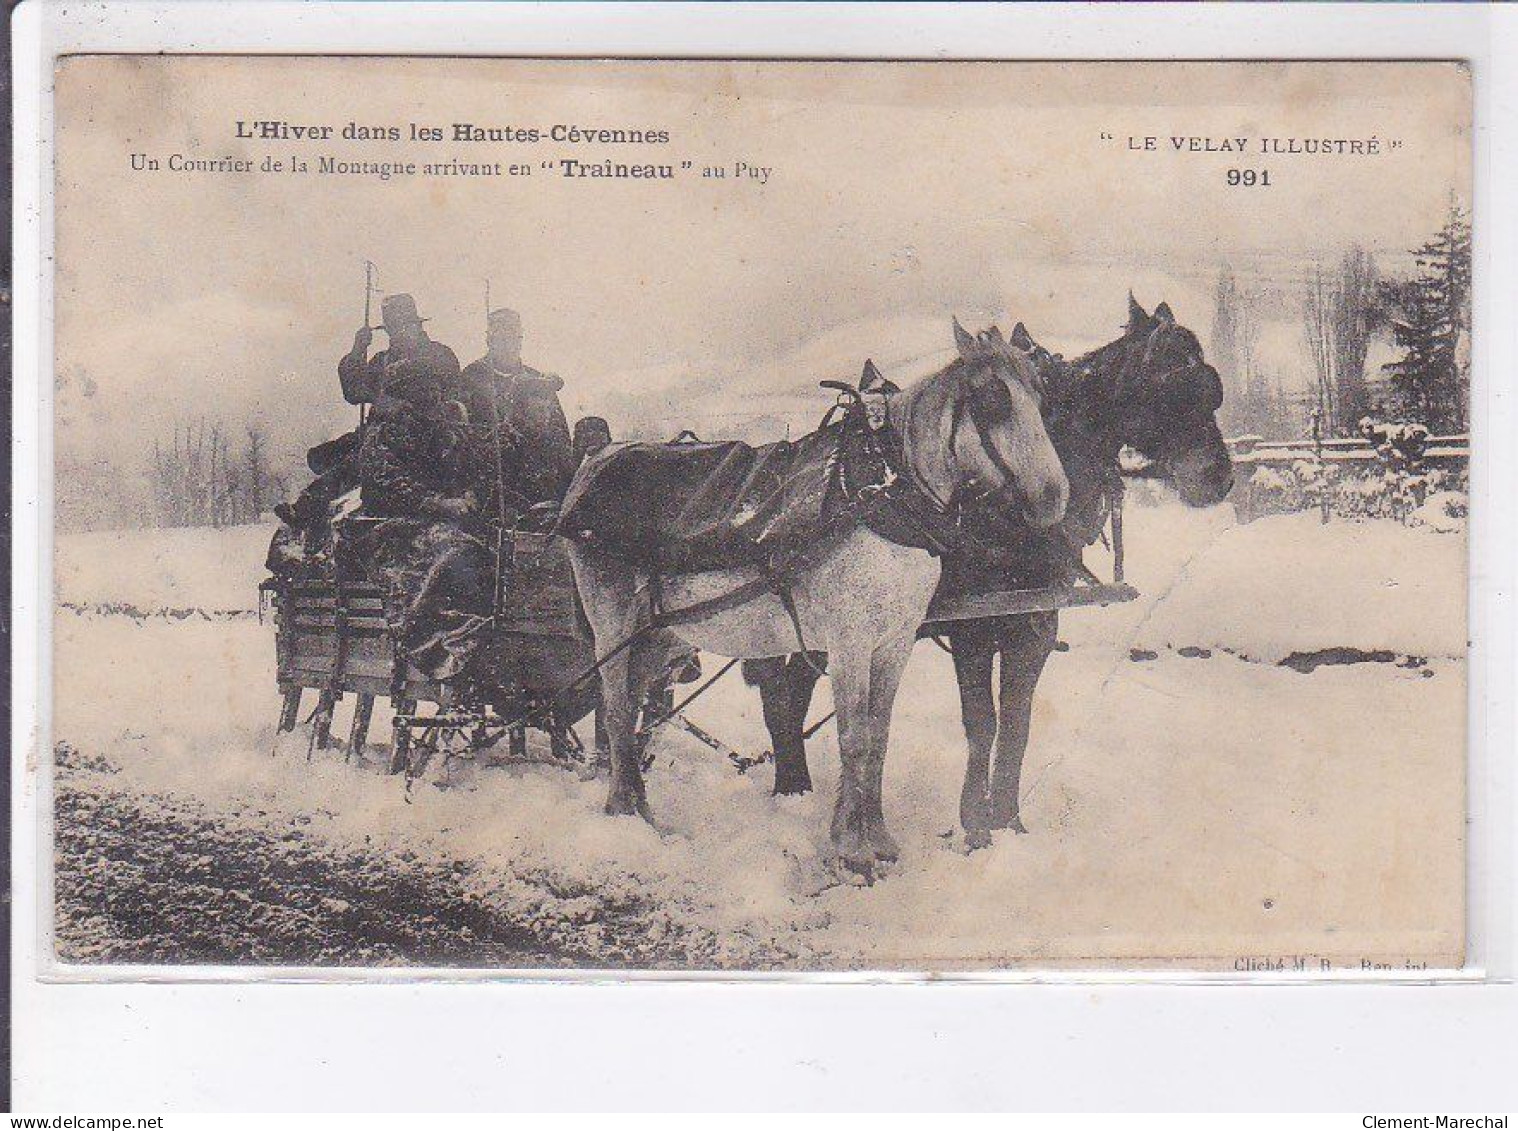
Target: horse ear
[[1136, 314], [963, 340], [1162, 313], [993, 336], [1021, 338], [874, 381]]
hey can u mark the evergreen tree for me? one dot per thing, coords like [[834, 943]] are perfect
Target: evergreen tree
[[1430, 382]]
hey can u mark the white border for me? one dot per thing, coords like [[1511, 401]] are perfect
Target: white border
[[665, 1023]]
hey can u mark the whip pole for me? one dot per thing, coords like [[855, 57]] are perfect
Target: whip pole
[[363, 413], [500, 469]]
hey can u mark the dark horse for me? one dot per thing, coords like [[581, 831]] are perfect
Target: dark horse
[[1150, 390]]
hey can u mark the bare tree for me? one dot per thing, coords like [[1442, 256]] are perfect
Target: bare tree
[[1354, 299], [199, 482], [1317, 329], [1249, 404], [256, 476], [1338, 315]]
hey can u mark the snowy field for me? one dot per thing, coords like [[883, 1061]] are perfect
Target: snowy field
[[1188, 796]]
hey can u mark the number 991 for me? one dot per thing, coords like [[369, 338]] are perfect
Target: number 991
[[1248, 178]]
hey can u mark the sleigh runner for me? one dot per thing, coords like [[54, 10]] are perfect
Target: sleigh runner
[[333, 637]]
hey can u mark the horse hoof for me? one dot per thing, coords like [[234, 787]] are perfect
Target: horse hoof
[[884, 845], [977, 838], [620, 805], [1011, 821], [855, 855], [858, 871]]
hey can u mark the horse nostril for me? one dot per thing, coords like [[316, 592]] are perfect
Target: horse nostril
[[1048, 503]]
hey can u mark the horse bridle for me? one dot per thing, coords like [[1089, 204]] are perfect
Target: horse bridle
[[985, 415]]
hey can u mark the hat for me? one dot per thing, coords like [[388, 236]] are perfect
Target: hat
[[504, 318], [592, 433], [398, 310]]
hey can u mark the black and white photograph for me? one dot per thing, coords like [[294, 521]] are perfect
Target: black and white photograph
[[759, 517]]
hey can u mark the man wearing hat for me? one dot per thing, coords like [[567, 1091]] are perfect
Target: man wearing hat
[[500, 390], [425, 539], [304, 540], [363, 377]]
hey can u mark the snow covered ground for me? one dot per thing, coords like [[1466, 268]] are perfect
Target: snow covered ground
[[1199, 805]]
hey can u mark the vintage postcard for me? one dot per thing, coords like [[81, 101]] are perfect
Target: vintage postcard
[[760, 516]]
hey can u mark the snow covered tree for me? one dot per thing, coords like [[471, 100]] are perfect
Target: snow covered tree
[[1430, 382], [199, 482]]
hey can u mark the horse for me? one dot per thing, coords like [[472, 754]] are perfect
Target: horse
[[1150, 390], [973, 429]]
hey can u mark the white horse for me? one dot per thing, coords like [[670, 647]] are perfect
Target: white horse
[[973, 428]]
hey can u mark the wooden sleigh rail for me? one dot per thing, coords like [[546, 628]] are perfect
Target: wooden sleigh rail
[[1012, 602], [1046, 599]]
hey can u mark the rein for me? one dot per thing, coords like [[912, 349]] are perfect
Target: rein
[[900, 492]]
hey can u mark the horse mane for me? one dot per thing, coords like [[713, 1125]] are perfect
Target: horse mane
[[922, 409], [1077, 398]]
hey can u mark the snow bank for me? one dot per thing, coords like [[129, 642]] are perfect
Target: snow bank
[[1127, 776], [1289, 583], [1443, 511], [182, 568]]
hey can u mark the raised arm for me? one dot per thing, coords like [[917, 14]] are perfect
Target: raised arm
[[353, 369]]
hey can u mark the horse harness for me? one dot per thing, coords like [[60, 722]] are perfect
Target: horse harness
[[867, 471], [877, 488]]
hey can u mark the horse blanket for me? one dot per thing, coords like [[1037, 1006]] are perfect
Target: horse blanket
[[688, 507]]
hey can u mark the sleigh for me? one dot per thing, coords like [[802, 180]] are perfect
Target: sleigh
[[333, 638]]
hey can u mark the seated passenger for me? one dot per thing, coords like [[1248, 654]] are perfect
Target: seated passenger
[[363, 377], [592, 434], [302, 547], [425, 530], [501, 390]]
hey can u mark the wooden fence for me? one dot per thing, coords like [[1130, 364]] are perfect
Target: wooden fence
[[1351, 456]]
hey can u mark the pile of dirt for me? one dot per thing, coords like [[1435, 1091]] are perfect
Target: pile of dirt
[[152, 879]]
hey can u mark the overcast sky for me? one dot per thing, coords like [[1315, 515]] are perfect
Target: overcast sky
[[899, 194]]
